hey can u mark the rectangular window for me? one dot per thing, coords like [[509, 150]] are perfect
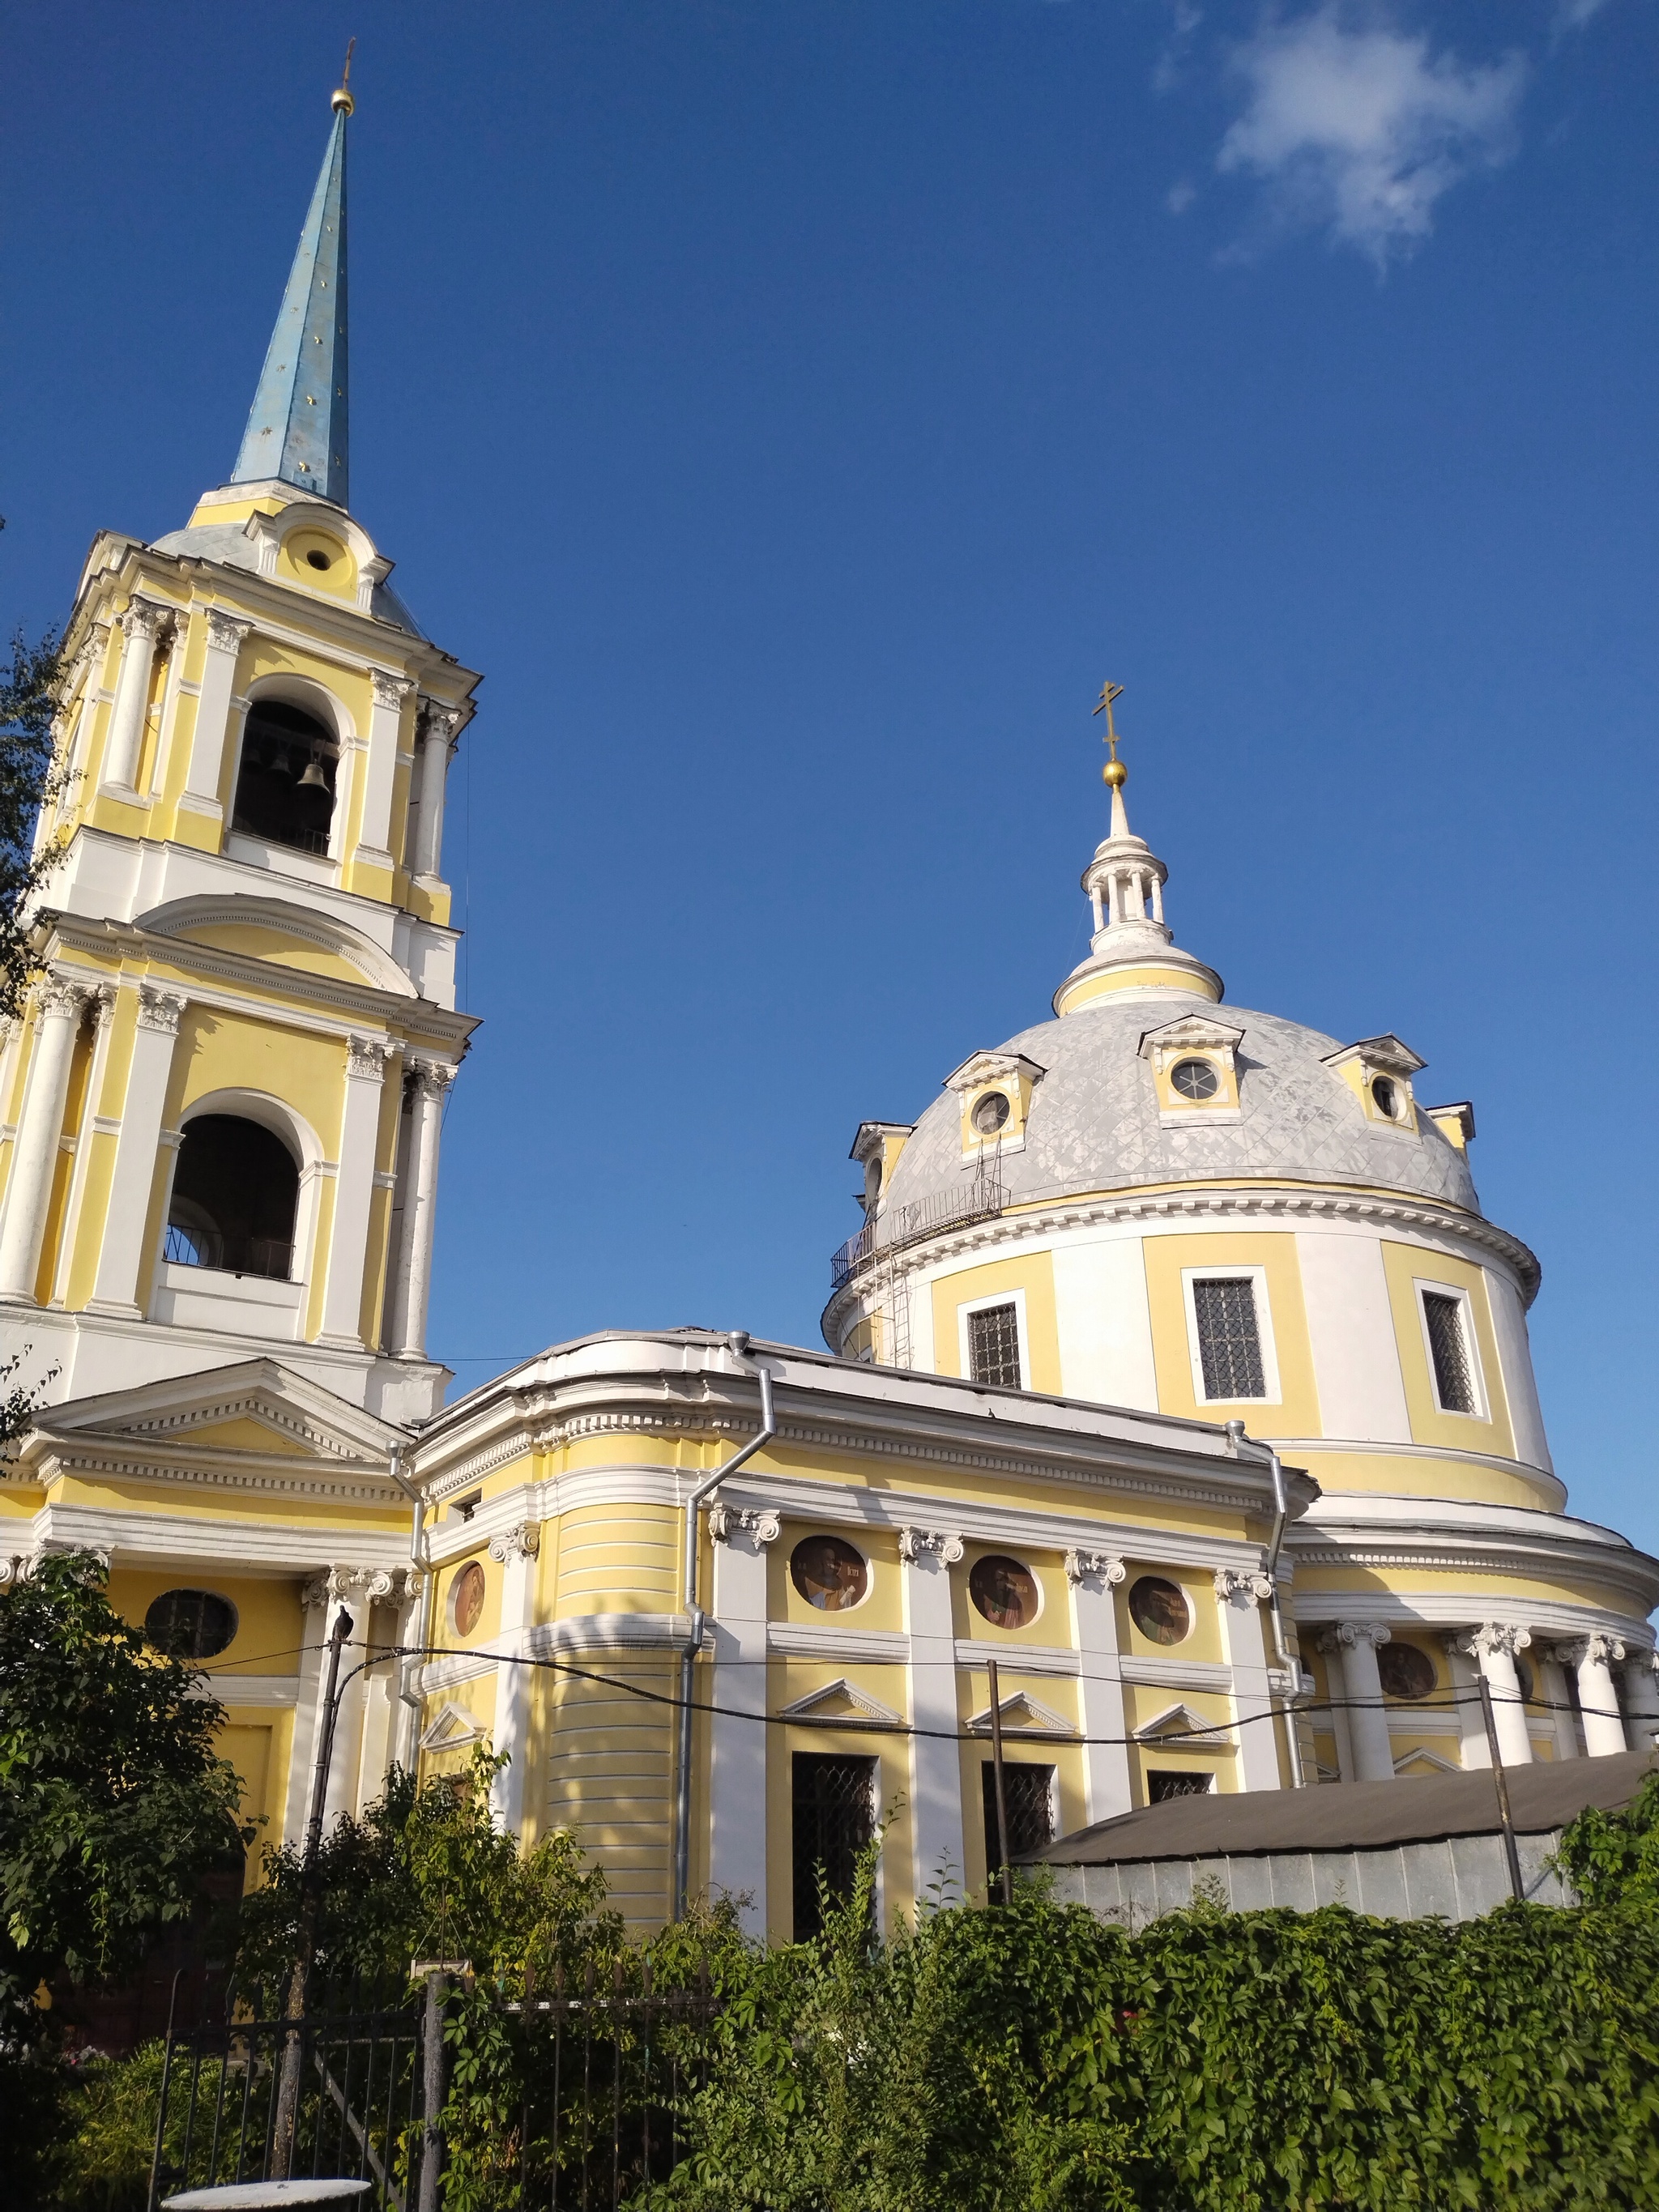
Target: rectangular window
[[1028, 1796], [834, 1817], [994, 1345], [1167, 1782], [1448, 1348], [1228, 1338]]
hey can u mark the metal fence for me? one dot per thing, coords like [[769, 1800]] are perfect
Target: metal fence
[[604, 2064], [907, 1224]]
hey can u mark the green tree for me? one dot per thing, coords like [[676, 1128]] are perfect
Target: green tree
[[29, 695], [113, 1803]]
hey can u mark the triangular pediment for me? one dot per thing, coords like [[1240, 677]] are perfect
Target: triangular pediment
[[454, 1729], [1421, 1760], [845, 1702], [1022, 1715], [228, 1422], [1181, 1724]]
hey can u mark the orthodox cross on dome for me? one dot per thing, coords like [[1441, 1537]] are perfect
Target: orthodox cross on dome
[[1113, 772], [298, 430]]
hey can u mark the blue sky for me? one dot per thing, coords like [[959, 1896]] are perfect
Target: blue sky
[[798, 408]]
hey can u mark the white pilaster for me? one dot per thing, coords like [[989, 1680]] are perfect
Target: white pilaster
[[374, 827], [516, 1549], [935, 1762], [1358, 1644], [1091, 1576], [126, 719], [428, 1079], [1598, 1699], [116, 1286], [736, 1785], [302, 1756], [225, 640], [1238, 1596], [353, 1190], [1493, 1646], [101, 1009], [348, 1589], [438, 727], [40, 1123]]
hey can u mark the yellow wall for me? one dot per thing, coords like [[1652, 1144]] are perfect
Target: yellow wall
[[1406, 1266], [1168, 1258], [1030, 1272]]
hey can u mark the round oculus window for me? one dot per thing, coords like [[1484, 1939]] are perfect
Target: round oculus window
[[191, 1624], [1004, 1591], [990, 1113], [1195, 1079], [1159, 1610], [1386, 1092], [466, 1598], [1406, 1671], [317, 559], [828, 1573]]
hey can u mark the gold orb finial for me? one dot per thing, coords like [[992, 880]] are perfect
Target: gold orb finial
[[1115, 774], [341, 100]]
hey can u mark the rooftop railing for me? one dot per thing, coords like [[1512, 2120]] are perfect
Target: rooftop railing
[[883, 1233]]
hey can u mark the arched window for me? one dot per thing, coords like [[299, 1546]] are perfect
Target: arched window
[[285, 785], [234, 1192]]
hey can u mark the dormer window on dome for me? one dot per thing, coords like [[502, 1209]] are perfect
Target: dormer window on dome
[[1378, 1071], [995, 1090], [1194, 1070]]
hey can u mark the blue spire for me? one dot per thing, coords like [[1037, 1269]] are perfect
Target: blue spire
[[298, 429]]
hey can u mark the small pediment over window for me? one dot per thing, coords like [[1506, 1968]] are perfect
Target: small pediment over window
[[1419, 1761], [454, 1730], [843, 1703], [1023, 1715], [1194, 1064], [1181, 1724]]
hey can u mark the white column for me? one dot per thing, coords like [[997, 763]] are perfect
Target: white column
[[1358, 1642], [428, 1079], [1553, 1680], [1157, 899], [412, 1619], [116, 1287], [225, 640], [303, 1751], [101, 1009], [126, 719], [40, 1124], [348, 1589], [1493, 1646], [516, 1549], [1092, 1576], [1238, 1599], [736, 1782], [438, 727], [353, 1190], [928, 1555], [1642, 1697], [374, 827], [1100, 911], [1598, 1700]]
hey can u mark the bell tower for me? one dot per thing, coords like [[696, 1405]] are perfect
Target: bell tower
[[220, 1116]]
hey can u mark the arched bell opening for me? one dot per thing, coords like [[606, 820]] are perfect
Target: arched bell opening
[[285, 783], [235, 1194]]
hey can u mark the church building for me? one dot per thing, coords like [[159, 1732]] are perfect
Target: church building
[[1176, 1416]]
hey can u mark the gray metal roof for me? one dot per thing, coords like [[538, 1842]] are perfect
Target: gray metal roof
[[1094, 1118], [1353, 1815], [229, 543]]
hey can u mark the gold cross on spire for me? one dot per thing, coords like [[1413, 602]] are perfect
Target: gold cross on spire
[[1114, 772]]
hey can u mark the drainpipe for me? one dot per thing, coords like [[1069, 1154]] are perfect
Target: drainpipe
[[738, 1343], [417, 1552], [1281, 1516]]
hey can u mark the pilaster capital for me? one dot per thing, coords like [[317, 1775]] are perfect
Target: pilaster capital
[[366, 1058], [225, 633], [759, 1522], [390, 690], [1344, 1635], [1246, 1586], [522, 1542], [63, 994], [337, 1583], [160, 1008], [1492, 1636], [1106, 1567], [1597, 1649], [915, 1543]]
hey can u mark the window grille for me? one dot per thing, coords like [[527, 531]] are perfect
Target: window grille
[[1453, 1382], [1177, 1782], [1028, 1797], [834, 1809], [994, 1345], [1229, 1340]]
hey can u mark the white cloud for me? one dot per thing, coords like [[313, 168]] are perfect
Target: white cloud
[[1181, 196], [1573, 14], [1359, 130]]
